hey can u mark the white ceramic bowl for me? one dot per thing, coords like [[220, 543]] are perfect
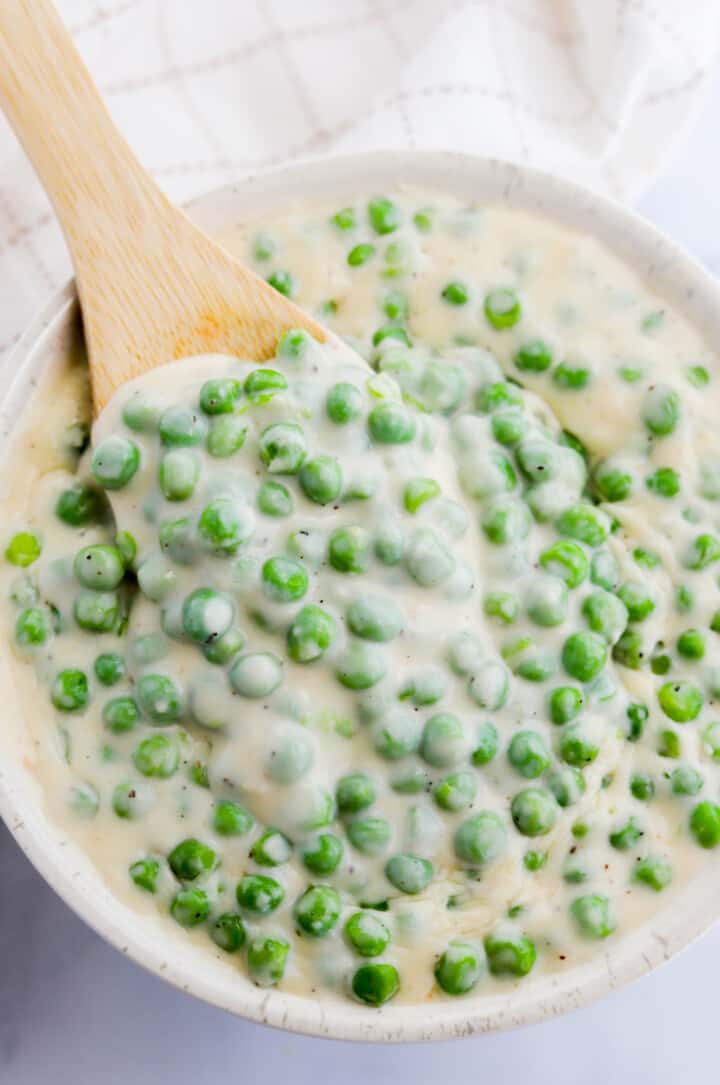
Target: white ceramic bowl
[[153, 942]]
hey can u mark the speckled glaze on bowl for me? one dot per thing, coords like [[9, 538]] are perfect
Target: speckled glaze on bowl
[[153, 942]]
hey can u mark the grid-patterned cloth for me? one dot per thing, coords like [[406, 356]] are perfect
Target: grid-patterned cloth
[[209, 90]]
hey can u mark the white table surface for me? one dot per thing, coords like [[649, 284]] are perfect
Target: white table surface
[[75, 1012]]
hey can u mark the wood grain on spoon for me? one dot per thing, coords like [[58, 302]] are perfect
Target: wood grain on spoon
[[153, 288]]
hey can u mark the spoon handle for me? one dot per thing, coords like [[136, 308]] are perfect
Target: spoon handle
[[88, 170], [152, 286]]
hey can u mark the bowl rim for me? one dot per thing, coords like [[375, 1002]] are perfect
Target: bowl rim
[[667, 268]]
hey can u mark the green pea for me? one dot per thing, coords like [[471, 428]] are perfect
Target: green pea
[[547, 601], [284, 580], [140, 414], [369, 835], [584, 655], [578, 745], [228, 932], [219, 396], [418, 491], [604, 570], [642, 786], [480, 838], [691, 644], [360, 254], [261, 385], [389, 543], [317, 910], [566, 560], [274, 499], [455, 293], [705, 824], [390, 423], [395, 305], [565, 703], [229, 818], [70, 691], [702, 552], [460, 966], [178, 474], [502, 308], [528, 754], [182, 426], [397, 735], [534, 356], [206, 615], [266, 959], [282, 448], [226, 435], [157, 756], [310, 634], [509, 952], [613, 483], [664, 482], [159, 698], [502, 606], [427, 559], [375, 984], [375, 618], [668, 744], [23, 549], [145, 873], [567, 784], [534, 860], [114, 463], [680, 701], [224, 525], [508, 427], [360, 666], [391, 331], [121, 714], [489, 685], [628, 650], [259, 893], [190, 907], [354, 792], [344, 219], [96, 611], [349, 549], [593, 916], [686, 780], [344, 403], [384, 215], [443, 741], [661, 410], [408, 873], [638, 602], [534, 811], [571, 376], [323, 855], [606, 614], [367, 934], [79, 505], [654, 872], [99, 566], [505, 520], [321, 479], [586, 523], [256, 675], [497, 395], [486, 744], [456, 792], [31, 628], [272, 848], [132, 799], [627, 836], [191, 859], [537, 458]]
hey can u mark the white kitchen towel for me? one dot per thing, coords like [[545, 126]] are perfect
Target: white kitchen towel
[[210, 90]]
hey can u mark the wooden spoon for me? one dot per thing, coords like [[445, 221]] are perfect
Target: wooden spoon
[[153, 288]]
